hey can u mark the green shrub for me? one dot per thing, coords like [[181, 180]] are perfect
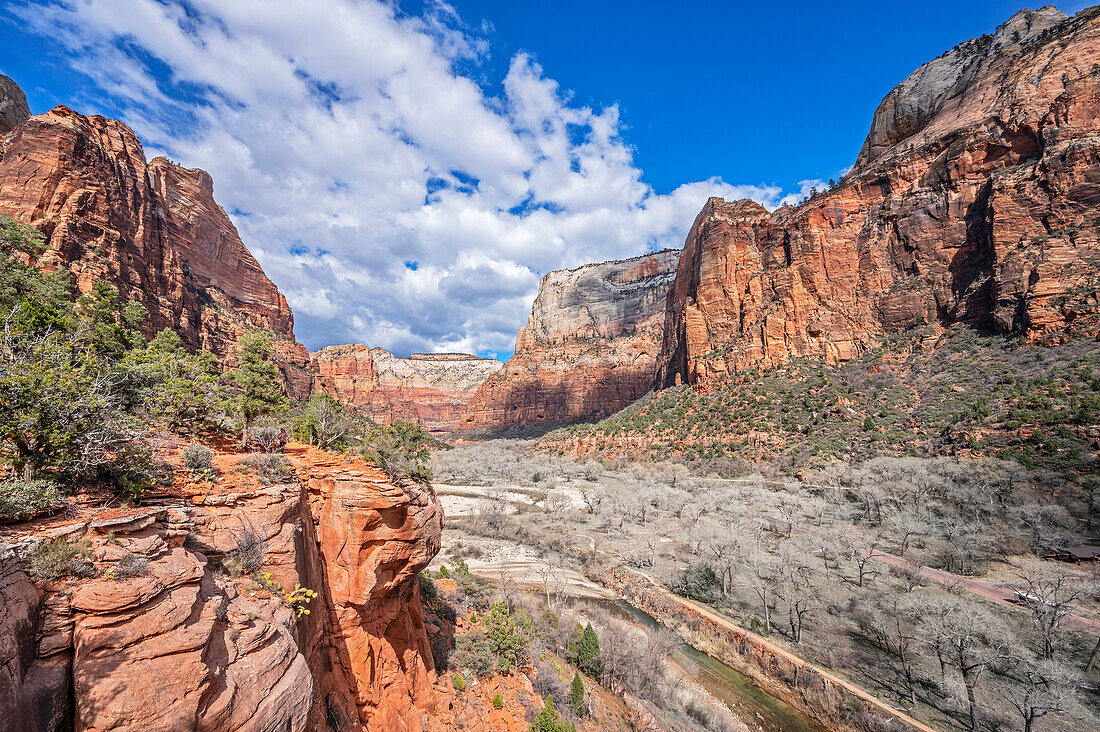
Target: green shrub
[[23, 499], [51, 558], [498, 701], [473, 652], [131, 565], [198, 459], [459, 682], [509, 635], [699, 582], [428, 590], [547, 720], [269, 467], [401, 450]]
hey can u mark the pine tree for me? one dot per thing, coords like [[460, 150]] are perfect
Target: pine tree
[[547, 720], [588, 651], [576, 694], [258, 379], [111, 327]]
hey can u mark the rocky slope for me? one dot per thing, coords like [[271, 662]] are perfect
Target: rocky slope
[[428, 389], [183, 645], [588, 349], [975, 198], [151, 228]]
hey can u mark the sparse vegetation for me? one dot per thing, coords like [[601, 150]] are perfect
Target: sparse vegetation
[[268, 466], [23, 499], [401, 450], [52, 558], [199, 459]]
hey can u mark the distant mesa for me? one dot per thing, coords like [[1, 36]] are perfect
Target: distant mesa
[[430, 389]]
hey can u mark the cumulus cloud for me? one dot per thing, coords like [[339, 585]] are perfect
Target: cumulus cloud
[[394, 199]]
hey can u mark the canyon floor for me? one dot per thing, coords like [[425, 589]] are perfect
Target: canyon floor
[[834, 574]]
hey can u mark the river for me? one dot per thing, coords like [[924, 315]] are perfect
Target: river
[[760, 711]]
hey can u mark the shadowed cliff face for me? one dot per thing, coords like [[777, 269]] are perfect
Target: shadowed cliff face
[[588, 349], [976, 198], [429, 389], [151, 229], [13, 106]]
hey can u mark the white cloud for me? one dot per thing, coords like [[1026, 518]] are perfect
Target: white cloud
[[347, 144]]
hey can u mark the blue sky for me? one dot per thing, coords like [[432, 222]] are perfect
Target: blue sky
[[406, 174]]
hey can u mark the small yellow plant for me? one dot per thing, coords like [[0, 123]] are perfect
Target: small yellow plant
[[297, 599]]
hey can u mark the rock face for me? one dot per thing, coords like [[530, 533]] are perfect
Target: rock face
[[13, 105], [429, 389], [589, 348], [152, 229], [975, 198], [180, 646]]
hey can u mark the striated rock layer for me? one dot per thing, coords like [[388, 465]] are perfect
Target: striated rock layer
[[429, 389], [975, 198], [184, 646], [589, 348], [150, 228]]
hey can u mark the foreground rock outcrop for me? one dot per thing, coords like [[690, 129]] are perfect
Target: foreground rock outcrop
[[150, 228], [430, 389], [588, 350], [975, 198], [163, 637]]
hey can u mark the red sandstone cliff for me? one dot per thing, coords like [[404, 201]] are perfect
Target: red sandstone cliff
[[976, 197], [185, 646], [152, 229], [588, 350], [428, 389]]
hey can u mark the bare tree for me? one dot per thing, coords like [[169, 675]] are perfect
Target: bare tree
[[890, 622], [763, 575], [965, 636], [861, 549], [796, 589], [1050, 593], [1038, 689], [593, 496]]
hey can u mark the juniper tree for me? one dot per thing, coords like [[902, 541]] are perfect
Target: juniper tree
[[258, 379]]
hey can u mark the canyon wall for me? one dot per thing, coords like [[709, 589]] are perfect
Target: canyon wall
[[588, 350], [975, 198], [185, 645], [13, 105], [150, 228], [429, 389]]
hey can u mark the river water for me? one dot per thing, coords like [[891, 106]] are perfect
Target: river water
[[760, 711]]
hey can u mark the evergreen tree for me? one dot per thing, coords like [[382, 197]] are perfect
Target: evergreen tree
[[547, 720], [174, 384], [31, 301], [112, 328], [587, 651], [258, 379], [576, 694], [509, 634]]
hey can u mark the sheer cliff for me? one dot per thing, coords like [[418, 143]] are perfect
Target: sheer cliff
[[588, 349], [150, 228], [975, 198]]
